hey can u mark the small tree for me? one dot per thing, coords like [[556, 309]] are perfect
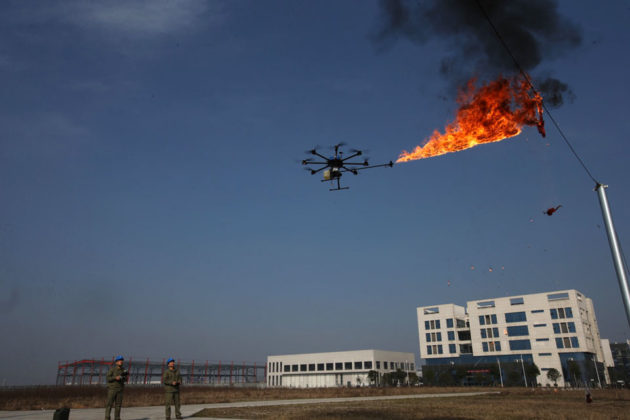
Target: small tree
[[373, 376], [553, 375], [532, 372], [413, 378]]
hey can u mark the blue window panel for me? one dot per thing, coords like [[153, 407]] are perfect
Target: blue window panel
[[554, 313], [449, 323], [452, 348], [544, 354], [574, 342], [428, 337], [439, 336], [556, 328], [517, 330], [520, 345], [481, 320], [494, 318], [559, 343], [542, 339], [439, 349], [437, 323], [496, 332], [485, 346], [483, 333], [451, 336], [537, 311], [515, 317], [497, 345], [429, 351], [571, 327], [568, 312], [427, 326]]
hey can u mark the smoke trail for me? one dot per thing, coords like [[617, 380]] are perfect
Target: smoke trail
[[533, 30]]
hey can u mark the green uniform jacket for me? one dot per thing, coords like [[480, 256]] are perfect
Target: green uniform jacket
[[169, 377], [112, 383]]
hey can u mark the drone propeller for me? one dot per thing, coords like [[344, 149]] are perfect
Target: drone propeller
[[313, 150]]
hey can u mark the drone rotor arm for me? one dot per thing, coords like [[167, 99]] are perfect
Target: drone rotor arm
[[390, 164]]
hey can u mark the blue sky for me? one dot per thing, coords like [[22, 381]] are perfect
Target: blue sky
[[153, 203]]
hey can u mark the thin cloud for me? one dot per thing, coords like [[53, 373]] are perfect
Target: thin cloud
[[143, 18]]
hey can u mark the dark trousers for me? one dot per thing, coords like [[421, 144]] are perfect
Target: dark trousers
[[114, 398], [172, 398]]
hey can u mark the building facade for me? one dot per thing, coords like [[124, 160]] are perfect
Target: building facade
[[334, 369], [620, 371], [555, 330]]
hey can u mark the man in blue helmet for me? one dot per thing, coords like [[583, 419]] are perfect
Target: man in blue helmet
[[116, 378], [171, 380]]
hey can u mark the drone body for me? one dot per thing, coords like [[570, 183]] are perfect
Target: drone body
[[336, 165]]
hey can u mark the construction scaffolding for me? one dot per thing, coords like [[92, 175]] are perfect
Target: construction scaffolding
[[149, 372]]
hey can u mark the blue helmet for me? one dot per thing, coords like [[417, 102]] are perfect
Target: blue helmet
[[119, 358], [170, 360]]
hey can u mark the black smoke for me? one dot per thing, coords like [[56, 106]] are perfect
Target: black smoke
[[533, 30]]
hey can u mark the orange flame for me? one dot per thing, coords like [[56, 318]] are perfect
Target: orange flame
[[495, 111]]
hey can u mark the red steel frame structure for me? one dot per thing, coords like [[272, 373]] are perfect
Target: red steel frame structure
[[149, 372]]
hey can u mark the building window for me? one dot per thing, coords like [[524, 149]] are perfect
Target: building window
[[538, 311], [329, 366], [439, 336], [302, 368], [574, 342], [429, 351], [452, 348], [294, 368], [367, 365], [428, 337], [378, 364], [542, 339], [437, 323], [558, 296], [517, 301], [484, 345], [497, 345], [520, 345], [287, 368], [311, 367], [559, 343], [463, 335], [465, 348], [348, 365], [544, 354], [385, 363], [439, 349], [483, 333], [571, 327], [554, 313], [451, 336], [411, 366], [427, 325], [518, 330], [449, 323], [460, 323], [338, 366], [358, 365], [540, 325], [428, 311], [515, 317], [320, 366], [481, 320], [486, 304]]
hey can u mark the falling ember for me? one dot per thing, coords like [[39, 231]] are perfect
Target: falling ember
[[493, 112]]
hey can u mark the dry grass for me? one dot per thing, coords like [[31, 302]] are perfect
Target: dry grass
[[52, 397], [509, 404]]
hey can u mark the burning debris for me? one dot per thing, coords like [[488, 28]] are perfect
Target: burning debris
[[551, 210], [495, 111]]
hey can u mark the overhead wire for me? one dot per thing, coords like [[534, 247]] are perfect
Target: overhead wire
[[518, 66]]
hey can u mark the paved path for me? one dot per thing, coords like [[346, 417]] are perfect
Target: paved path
[[157, 412]]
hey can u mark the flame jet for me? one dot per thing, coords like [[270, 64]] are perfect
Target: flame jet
[[495, 111]]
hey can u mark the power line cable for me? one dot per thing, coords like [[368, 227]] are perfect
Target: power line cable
[[553, 120]]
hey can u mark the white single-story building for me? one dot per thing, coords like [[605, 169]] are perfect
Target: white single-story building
[[334, 369]]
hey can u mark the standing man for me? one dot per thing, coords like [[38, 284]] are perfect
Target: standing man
[[116, 378], [171, 380]]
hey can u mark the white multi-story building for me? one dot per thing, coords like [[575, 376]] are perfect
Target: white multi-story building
[[333, 369], [549, 329]]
